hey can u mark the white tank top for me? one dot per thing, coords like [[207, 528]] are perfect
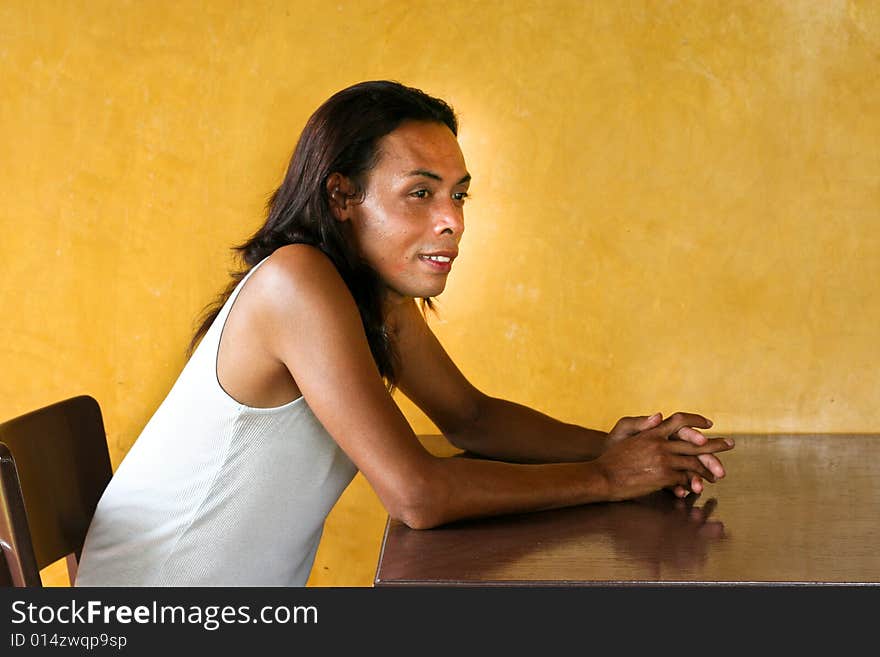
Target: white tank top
[[216, 493]]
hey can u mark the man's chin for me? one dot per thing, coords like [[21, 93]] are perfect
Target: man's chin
[[431, 289]]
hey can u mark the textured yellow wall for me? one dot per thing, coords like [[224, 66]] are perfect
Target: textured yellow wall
[[676, 205]]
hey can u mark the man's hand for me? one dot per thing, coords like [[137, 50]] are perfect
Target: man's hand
[[630, 426]]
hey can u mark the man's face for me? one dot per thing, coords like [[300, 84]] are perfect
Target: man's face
[[412, 216]]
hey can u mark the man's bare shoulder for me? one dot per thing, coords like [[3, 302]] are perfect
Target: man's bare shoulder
[[297, 261], [298, 268], [298, 274]]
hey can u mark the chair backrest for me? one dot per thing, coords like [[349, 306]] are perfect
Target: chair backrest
[[18, 564], [54, 466]]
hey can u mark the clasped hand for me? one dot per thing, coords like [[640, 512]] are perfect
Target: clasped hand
[[646, 453]]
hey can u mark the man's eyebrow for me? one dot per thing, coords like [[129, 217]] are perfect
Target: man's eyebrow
[[431, 174]]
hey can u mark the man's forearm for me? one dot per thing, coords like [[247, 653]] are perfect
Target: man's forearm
[[509, 431]]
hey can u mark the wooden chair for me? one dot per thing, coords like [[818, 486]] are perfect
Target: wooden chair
[[54, 466]]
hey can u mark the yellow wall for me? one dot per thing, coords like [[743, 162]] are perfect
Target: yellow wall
[[676, 205]]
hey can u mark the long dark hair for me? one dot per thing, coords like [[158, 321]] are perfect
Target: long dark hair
[[340, 137]]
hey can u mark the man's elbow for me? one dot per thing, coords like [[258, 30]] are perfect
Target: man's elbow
[[418, 520], [420, 505]]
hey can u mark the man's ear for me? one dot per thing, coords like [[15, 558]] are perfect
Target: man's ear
[[340, 192]]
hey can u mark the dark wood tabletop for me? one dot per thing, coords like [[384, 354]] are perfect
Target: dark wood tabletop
[[793, 509]]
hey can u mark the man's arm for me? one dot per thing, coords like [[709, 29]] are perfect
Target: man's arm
[[306, 317], [502, 429], [508, 431]]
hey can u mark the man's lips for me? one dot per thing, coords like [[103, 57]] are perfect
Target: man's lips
[[440, 261]]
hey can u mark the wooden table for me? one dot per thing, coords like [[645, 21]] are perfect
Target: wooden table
[[793, 509]]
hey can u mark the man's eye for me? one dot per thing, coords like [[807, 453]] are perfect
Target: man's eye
[[460, 196], [420, 193]]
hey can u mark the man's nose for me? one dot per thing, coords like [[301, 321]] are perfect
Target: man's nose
[[449, 220]]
